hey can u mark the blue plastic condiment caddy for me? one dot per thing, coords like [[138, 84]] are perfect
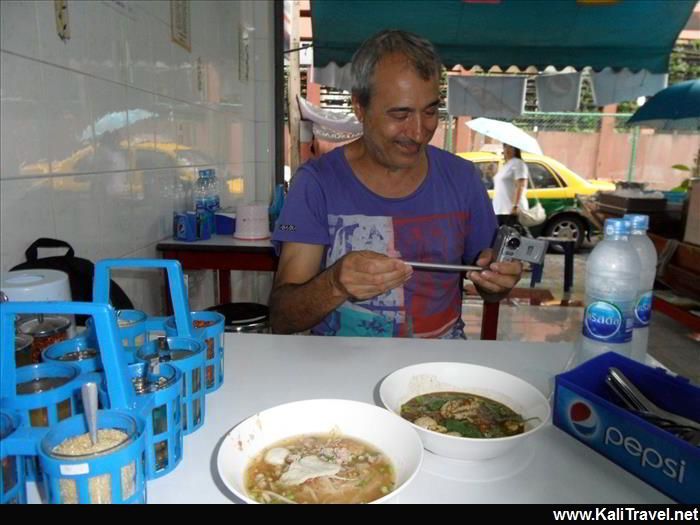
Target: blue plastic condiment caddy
[[203, 326], [115, 476], [153, 401]]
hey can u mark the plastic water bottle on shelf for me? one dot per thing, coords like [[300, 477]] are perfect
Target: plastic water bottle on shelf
[[212, 196], [214, 191], [642, 309], [202, 201], [612, 281], [199, 192]]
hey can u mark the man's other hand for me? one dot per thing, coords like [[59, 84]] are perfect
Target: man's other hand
[[498, 279]]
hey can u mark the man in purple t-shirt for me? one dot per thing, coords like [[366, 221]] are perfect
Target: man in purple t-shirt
[[354, 215]]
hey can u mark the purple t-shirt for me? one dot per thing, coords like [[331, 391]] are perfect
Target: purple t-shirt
[[448, 219]]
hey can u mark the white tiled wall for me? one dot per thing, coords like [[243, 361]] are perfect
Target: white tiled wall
[[91, 128]]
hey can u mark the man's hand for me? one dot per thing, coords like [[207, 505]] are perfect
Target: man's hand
[[364, 274], [498, 279]]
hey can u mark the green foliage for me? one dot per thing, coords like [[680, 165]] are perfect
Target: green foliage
[[684, 63]]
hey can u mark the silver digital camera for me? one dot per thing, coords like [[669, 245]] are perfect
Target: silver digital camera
[[511, 246]]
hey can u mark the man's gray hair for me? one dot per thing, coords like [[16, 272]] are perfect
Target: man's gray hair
[[419, 52]]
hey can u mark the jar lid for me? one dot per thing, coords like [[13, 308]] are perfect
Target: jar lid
[[45, 327], [176, 354], [79, 355], [152, 383], [126, 318], [22, 342]]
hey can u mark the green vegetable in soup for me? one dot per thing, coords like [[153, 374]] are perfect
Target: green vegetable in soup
[[463, 414]]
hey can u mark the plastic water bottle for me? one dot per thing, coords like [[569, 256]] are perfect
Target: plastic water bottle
[[200, 190], [214, 191], [642, 309], [212, 202], [612, 281], [203, 201]]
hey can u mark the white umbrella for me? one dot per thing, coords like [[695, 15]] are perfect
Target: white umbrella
[[506, 133]]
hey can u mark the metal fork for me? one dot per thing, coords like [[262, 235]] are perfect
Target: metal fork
[[638, 401], [684, 432]]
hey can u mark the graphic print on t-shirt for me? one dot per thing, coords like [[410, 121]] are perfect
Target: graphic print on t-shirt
[[414, 309]]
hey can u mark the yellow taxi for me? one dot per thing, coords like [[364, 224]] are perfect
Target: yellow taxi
[[555, 185]]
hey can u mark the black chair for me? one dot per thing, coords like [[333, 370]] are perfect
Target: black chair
[[244, 317]]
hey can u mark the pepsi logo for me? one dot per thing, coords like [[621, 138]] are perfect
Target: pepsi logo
[[583, 419]]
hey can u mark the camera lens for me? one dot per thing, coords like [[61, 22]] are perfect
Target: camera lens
[[513, 243]]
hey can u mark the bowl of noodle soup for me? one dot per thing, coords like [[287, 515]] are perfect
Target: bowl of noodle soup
[[320, 451], [464, 411]]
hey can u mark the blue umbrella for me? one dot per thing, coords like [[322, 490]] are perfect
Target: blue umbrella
[[676, 107]]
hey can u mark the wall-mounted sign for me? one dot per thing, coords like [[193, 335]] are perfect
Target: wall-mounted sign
[[180, 23], [243, 53]]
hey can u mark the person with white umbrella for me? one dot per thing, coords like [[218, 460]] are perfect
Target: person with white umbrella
[[510, 187], [510, 183]]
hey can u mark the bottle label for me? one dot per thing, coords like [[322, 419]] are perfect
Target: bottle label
[[642, 310], [604, 321], [211, 204]]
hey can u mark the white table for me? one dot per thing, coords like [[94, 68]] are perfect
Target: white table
[[262, 371]]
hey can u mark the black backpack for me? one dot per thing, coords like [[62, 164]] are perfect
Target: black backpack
[[81, 273]]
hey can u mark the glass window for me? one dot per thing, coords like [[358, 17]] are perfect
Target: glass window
[[541, 177]]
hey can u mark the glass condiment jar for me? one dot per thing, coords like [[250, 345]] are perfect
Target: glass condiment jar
[[39, 417], [132, 326], [112, 468], [45, 331], [23, 349]]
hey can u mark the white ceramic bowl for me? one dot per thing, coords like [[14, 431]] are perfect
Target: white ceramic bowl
[[407, 383], [390, 434]]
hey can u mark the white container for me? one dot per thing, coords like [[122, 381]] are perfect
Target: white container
[[612, 282], [518, 395], [252, 222], [375, 426], [36, 285], [642, 308]]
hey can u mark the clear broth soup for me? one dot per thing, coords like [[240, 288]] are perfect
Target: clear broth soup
[[319, 468]]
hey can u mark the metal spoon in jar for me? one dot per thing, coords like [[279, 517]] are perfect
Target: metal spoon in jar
[[89, 395]]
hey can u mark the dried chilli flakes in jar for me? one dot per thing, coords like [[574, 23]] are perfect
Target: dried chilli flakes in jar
[[209, 340], [210, 376], [40, 343]]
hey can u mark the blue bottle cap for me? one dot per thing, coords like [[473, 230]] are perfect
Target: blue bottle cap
[[640, 223], [617, 227]]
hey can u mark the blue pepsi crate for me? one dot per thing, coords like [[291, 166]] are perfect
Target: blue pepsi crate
[[586, 408]]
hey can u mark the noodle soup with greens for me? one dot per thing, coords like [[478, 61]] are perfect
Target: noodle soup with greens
[[463, 415]]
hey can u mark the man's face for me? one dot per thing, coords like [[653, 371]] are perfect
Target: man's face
[[402, 113]]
